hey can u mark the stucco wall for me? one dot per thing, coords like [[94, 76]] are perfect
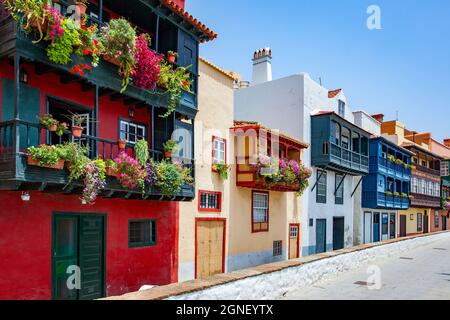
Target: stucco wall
[[215, 118], [411, 220]]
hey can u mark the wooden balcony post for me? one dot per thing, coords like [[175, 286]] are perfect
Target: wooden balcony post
[[16, 102], [96, 133]]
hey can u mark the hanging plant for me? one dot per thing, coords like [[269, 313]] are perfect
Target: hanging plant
[[147, 64], [61, 48], [141, 151], [48, 122], [175, 82], [119, 40], [90, 44], [130, 174], [222, 169], [94, 180]]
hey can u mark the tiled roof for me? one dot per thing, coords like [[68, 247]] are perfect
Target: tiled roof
[[229, 74], [334, 93], [190, 19]]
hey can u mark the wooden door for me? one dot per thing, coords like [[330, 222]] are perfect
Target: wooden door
[[293, 241], [78, 241], [376, 227], [425, 223], [444, 223], [321, 235], [402, 225], [338, 233], [210, 246]]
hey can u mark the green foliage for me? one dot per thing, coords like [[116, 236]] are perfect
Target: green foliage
[[61, 128], [170, 178], [222, 169], [29, 12], [61, 48], [172, 53], [47, 155], [175, 82], [47, 121], [119, 40], [170, 146], [141, 149], [101, 165], [75, 154]]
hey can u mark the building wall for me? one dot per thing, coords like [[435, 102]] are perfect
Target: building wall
[[215, 118], [287, 104], [26, 234], [411, 220]]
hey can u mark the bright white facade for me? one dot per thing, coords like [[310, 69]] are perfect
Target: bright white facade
[[287, 104]]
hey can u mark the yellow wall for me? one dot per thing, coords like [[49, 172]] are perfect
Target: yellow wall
[[411, 224], [215, 118]]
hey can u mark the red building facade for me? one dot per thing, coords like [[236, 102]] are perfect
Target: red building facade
[[44, 226]]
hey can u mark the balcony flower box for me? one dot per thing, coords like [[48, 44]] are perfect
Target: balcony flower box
[[111, 172], [111, 60], [58, 166]]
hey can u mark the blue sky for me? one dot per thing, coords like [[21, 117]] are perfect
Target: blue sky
[[403, 67]]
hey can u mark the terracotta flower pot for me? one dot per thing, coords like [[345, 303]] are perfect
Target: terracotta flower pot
[[111, 172], [53, 128], [58, 166], [81, 8], [77, 131], [168, 154], [111, 60], [171, 58], [122, 144]]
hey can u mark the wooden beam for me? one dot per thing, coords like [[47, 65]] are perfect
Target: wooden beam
[[130, 101], [116, 97], [141, 105], [105, 92], [65, 79], [42, 69], [85, 86]]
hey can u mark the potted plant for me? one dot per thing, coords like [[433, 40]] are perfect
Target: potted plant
[[93, 181], [171, 56], [222, 169], [399, 162], [169, 146], [76, 159], [46, 156], [122, 143], [77, 123], [388, 193], [411, 197], [404, 195], [111, 168], [175, 82], [396, 194], [119, 41], [48, 122], [170, 179], [61, 129], [391, 158], [81, 6], [413, 167], [31, 14]]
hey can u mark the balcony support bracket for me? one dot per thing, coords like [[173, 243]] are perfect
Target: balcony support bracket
[[359, 182], [317, 181], [340, 184]]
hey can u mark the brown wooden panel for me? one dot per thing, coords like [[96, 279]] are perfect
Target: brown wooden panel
[[209, 247]]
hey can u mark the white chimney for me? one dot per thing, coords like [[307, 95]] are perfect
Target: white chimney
[[262, 66]]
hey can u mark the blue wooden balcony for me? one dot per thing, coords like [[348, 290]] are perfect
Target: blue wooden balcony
[[16, 174], [381, 200], [339, 145]]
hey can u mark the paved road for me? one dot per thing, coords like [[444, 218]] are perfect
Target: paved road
[[422, 273]]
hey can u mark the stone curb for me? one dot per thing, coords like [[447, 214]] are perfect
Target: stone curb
[[176, 289]]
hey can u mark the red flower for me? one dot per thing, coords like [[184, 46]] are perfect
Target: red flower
[[85, 52], [133, 72], [84, 28], [87, 67], [186, 83], [95, 42]]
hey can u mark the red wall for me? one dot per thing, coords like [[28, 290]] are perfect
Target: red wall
[[25, 242]]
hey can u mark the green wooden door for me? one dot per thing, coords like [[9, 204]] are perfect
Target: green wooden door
[[78, 240]]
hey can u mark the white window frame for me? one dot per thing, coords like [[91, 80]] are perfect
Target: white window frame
[[219, 151], [126, 135]]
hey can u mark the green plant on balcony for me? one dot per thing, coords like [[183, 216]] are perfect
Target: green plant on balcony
[[388, 193], [94, 177], [76, 158], [413, 167], [118, 38], [61, 47], [111, 167], [90, 44], [131, 174], [170, 178], [61, 128], [411, 197], [170, 146], [396, 194], [444, 204], [48, 122], [141, 150], [47, 156], [404, 195], [391, 158], [175, 82], [407, 166], [31, 14], [222, 169], [399, 162]]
